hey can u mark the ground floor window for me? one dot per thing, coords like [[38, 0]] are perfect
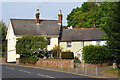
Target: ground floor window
[[69, 44], [98, 42]]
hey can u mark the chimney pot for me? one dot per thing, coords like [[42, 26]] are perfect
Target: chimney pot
[[60, 17], [37, 17]]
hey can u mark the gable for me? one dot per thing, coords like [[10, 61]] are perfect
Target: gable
[[10, 32]]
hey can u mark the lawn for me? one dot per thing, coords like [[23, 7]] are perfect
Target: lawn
[[114, 72]]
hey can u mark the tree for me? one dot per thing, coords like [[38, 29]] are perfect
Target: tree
[[29, 45], [111, 25], [105, 16], [83, 16], [3, 36]]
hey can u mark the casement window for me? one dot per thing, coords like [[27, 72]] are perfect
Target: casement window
[[69, 44], [48, 41], [98, 42]]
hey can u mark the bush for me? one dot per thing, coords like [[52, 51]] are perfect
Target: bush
[[95, 54], [28, 44], [76, 59], [56, 51], [30, 60], [67, 55]]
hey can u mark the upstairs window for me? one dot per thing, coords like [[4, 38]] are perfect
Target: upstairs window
[[98, 42], [48, 41], [69, 44]]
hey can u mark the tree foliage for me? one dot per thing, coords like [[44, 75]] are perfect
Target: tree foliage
[[28, 45], [111, 19], [95, 54], [3, 30], [105, 15], [83, 16], [3, 45], [91, 13]]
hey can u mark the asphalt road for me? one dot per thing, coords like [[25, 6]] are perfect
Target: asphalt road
[[28, 73]]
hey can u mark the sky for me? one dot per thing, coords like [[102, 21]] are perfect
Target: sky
[[27, 10]]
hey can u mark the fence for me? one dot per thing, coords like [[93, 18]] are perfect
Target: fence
[[70, 66], [87, 69]]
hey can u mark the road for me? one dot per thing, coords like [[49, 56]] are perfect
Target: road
[[12, 71]]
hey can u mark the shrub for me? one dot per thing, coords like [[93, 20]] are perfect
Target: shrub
[[56, 51], [67, 55], [76, 59], [94, 54], [30, 60], [28, 44]]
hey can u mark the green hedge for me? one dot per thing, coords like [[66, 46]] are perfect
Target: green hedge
[[67, 55], [95, 54], [30, 60]]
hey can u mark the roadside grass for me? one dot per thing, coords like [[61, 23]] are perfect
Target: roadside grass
[[105, 66], [114, 72]]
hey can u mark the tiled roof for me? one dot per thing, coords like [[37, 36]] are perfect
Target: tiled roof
[[28, 26], [82, 34]]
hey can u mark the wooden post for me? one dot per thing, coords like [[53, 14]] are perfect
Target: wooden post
[[96, 70]]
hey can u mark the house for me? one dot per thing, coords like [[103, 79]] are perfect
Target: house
[[69, 39], [35, 27], [75, 39]]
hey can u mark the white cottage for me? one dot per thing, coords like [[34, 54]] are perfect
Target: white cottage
[[36, 27], [69, 39], [75, 39]]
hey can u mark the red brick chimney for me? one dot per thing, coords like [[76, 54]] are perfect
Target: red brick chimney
[[37, 17], [60, 17]]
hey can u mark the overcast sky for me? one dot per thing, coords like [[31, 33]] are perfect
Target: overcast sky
[[26, 10]]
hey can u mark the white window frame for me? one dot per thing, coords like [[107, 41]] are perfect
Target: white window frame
[[98, 42], [69, 44]]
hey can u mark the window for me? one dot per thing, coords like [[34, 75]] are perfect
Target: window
[[69, 44], [98, 42], [48, 41]]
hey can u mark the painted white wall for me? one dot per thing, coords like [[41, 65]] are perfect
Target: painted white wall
[[101, 42], [11, 43], [53, 42], [77, 46]]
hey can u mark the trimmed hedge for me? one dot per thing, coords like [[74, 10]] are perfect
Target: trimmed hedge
[[95, 54], [67, 55], [30, 60]]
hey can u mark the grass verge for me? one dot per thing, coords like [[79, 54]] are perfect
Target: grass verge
[[113, 72]]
